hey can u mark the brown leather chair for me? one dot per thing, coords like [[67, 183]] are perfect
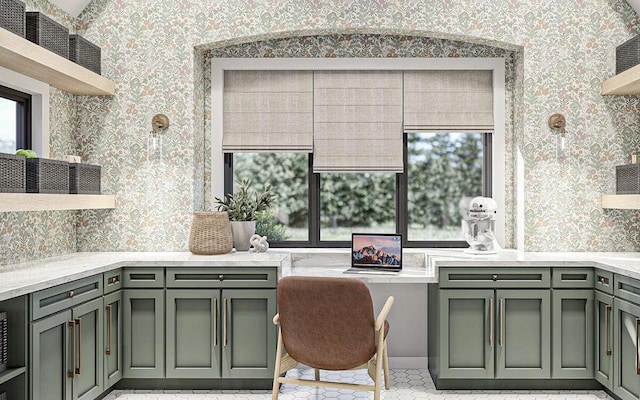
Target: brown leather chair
[[328, 324]]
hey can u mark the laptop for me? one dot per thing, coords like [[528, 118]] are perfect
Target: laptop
[[378, 253]]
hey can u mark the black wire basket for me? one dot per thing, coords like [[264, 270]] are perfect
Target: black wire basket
[[4, 345], [12, 173], [47, 33], [47, 176], [85, 53], [12, 16], [84, 178]]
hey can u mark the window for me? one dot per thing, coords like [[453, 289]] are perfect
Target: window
[[288, 174], [443, 171], [15, 120]]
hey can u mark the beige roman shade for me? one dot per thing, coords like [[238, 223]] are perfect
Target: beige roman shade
[[357, 121], [268, 111], [451, 100]]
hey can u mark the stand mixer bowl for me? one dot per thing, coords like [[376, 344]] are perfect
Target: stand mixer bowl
[[480, 234]]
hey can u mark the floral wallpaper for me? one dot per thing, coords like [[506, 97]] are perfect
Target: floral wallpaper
[[157, 52]]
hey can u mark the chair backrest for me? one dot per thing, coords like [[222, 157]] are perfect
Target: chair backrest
[[327, 323]]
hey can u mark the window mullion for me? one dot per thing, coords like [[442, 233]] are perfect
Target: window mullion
[[314, 206]]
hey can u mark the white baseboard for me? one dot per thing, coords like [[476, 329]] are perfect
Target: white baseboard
[[408, 362]]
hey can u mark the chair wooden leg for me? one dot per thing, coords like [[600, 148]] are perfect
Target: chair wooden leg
[[275, 391], [385, 365], [379, 362], [317, 374]]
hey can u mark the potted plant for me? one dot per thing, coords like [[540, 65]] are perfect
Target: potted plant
[[243, 208]]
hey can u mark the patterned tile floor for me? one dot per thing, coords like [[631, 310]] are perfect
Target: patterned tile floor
[[406, 384]]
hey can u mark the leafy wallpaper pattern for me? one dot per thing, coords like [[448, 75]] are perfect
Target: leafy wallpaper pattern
[[157, 51]]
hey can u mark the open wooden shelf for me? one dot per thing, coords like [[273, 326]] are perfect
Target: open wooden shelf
[[621, 201], [625, 83], [27, 58], [11, 373], [45, 202]]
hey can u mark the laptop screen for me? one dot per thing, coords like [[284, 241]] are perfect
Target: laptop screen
[[376, 251]]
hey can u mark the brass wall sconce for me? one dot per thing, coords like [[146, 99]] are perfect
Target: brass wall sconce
[[558, 123], [159, 125]]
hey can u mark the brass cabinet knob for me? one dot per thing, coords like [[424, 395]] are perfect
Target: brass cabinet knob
[[70, 293], [494, 277], [220, 277]]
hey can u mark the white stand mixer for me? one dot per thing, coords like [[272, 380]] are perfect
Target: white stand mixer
[[479, 227]]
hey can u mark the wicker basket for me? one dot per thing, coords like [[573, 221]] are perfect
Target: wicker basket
[[628, 54], [210, 233], [84, 179], [47, 176], [47, 33], [4, 341], [12, 16], [85, 53], [12, 173], [628, 179]]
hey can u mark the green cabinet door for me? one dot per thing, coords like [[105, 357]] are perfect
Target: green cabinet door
[[143, 333], [573, 312], [248, 333], [112, 338], [193, 333], [626, 370], [467, 333], [50, 366], [87, 383], [603, 339], [523, 333]]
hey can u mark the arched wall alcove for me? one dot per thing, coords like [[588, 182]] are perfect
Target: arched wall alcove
[[363, 44]]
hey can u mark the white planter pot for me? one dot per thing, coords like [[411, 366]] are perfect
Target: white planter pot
[[242, 232]]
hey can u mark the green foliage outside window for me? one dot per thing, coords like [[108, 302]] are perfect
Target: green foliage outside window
[[443, 169]]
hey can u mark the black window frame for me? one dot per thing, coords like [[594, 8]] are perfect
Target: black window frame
[[401, 194], [24, 137]]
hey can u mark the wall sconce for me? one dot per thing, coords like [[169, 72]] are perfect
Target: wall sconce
[[557, 123], [159, 124]]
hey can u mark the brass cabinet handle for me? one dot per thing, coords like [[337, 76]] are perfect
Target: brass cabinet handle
[[224, 321], [114, 279], [637, 361], [79, 323], [607, 311], [501, 333], [215, 321], [72, 327], [491, 321], [109, 316]]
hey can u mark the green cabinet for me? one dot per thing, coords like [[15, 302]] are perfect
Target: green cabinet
[[248, 333], [193, 333], [112, 338], [490, 333], [219, 323], [143, 333], [626, 364], [603, 330], [13, 380], [573, 314], [66, 354]]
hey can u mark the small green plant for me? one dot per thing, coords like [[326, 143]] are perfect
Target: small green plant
[[267, 225], [246, 203]]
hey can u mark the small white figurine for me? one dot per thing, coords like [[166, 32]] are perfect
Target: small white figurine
[[259, 243]]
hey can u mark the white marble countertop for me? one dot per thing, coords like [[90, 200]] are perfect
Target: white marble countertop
[[419, 265]]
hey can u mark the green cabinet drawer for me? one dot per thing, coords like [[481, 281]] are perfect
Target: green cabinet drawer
[[236, 277], [603, 281], [143, 277], [48, 301], [495, 277], [573, 278], [627, 288], [112, 281]]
